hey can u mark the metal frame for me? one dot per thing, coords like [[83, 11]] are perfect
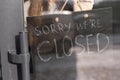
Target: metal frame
[[23, 58], [11, 23]]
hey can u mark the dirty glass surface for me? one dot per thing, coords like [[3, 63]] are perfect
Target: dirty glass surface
[[75, 46]]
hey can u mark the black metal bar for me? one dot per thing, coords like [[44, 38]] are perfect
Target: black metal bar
[[24, 51], [23, 58]]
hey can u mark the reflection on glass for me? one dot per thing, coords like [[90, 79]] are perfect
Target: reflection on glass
[[78, 45]]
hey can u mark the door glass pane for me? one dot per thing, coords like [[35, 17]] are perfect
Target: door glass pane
[[72, 41]]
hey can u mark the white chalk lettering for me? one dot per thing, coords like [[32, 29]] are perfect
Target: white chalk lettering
[[81, 26], [68, 27], [60, 27], [68, 38], [88, 43], [53, 28], [77, 38], [90, 24], [38, 51], [93, 23], [37, 31], [56, 49], [78, 26], [45, 29], [85, 25], [98, 44]]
